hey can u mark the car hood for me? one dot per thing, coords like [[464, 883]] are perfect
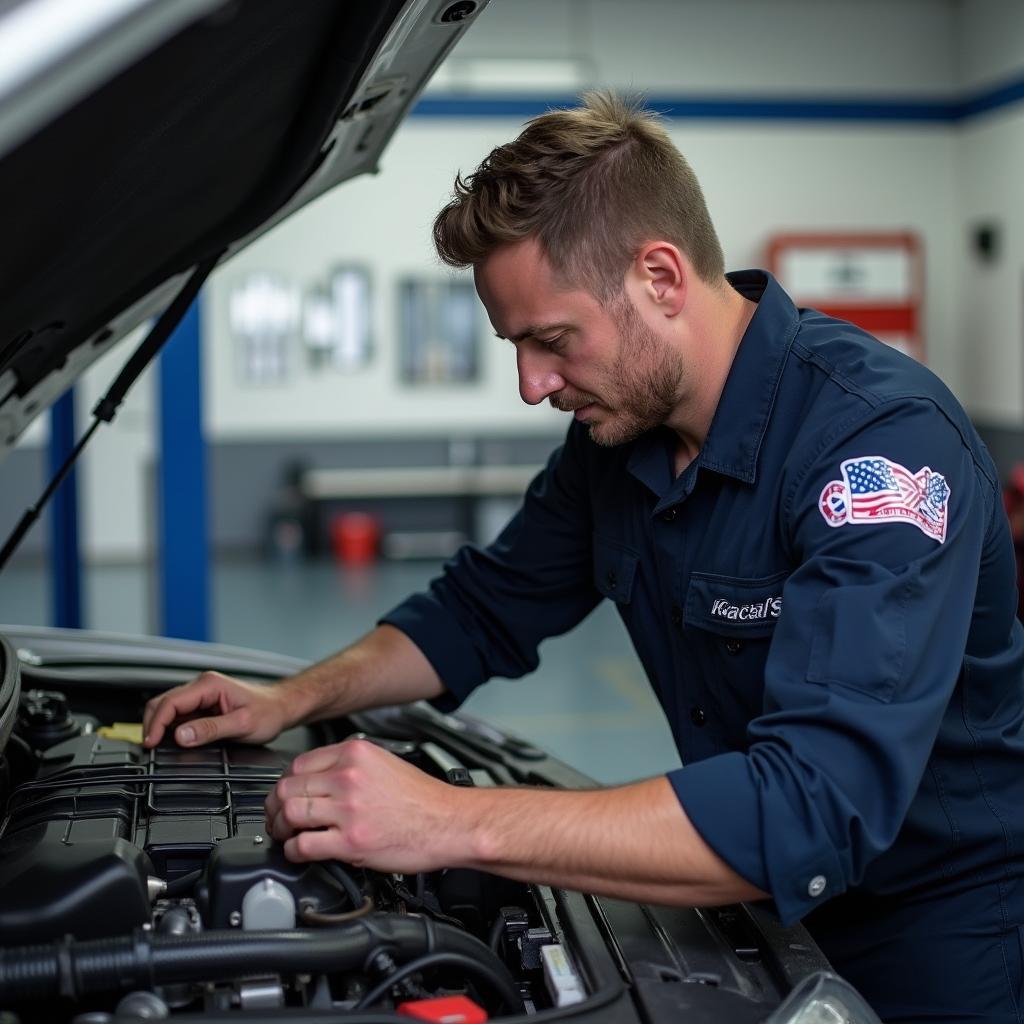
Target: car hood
[[139, 139]]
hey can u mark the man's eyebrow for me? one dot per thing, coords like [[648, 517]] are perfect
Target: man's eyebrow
[[533, 330]]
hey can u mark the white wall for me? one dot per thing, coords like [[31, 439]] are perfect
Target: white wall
[[990, 320], [990, 173]]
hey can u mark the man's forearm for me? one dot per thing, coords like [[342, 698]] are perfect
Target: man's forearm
[[634, 842], [384, 667]]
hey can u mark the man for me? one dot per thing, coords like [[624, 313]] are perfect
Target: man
[[805, 539]]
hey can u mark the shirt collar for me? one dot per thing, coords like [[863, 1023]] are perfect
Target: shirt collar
[[743, 412], [745, 407]]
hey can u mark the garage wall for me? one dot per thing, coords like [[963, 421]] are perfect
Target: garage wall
[[760, 176], [989, 171], [990, 320]]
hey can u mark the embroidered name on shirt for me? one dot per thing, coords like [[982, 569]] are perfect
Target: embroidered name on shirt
[[876, 490], [756, 611]]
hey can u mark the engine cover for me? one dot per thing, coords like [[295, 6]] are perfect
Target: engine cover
[[79, 840]]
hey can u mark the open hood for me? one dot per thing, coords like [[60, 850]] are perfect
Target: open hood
[[141, 138]]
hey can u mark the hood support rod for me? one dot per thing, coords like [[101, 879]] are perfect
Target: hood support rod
[[106, 408]]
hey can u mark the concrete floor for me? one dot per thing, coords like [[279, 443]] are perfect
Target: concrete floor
[[588, 703]]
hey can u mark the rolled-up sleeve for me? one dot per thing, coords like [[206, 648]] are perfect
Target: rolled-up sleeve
[[487, 613], [863, 663]]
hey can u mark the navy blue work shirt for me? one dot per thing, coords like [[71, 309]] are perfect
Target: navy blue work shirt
[[824, 602]]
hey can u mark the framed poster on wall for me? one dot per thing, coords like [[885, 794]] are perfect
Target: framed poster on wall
[[438, 332], [337, 321], [263, 313]]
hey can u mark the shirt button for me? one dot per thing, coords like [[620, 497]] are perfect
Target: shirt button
[[677, 615], [669, 514], [816, 886], [611, 579], [734, 646], [698, 717]]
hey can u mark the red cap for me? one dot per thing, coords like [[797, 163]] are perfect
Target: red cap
[[447, 1010]]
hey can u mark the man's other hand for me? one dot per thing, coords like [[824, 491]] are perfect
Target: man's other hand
[[357, 803], [229, 709]]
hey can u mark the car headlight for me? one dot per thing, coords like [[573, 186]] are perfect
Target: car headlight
[[824, 999]]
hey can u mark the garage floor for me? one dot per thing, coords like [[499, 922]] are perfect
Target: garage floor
[[589, 702]]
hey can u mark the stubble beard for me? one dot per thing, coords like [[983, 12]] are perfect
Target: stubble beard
[[644, 385]]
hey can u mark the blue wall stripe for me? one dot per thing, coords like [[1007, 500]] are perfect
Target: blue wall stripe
[[727, 108], [183, 555], [704, 108], [992, 99], [65, 563]]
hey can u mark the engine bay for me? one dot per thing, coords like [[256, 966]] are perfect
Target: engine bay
[[142, 883]]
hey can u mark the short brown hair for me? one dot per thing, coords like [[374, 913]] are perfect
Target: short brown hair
[[592, 184]]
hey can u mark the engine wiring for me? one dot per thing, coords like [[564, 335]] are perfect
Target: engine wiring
[[477, 969]]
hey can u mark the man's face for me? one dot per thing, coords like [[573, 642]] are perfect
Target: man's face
[[602, 363]]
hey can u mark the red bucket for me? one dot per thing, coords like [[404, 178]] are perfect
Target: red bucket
[[355, 538]]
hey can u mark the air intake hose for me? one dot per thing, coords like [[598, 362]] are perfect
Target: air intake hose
[[143, 960]]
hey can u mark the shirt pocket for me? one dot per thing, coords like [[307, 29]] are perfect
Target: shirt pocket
[[734, 621], [614, 569], [731, 607]]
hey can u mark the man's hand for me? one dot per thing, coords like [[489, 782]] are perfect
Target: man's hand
[[384, 667], [360, 804], [235, 710]]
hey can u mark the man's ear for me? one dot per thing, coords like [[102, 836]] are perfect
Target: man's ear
[[663, 274]]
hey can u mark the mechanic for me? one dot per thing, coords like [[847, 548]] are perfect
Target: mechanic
[[805, 539]]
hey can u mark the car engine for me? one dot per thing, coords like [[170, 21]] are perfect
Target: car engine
[[141, 883]]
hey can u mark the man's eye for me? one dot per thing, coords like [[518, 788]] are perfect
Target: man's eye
[[554, 344]]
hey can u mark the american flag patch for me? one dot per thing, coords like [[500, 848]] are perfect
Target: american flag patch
[[876, 490]]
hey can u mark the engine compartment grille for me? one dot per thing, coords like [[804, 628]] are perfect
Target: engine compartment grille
[[158, 799]]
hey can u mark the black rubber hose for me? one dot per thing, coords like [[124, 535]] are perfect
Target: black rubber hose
[[476, 969], [497, 933], [182, 885], [345, 880], [144, 960]]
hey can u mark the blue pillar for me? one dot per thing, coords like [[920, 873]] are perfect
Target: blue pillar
[[182, 557], [65, 564]]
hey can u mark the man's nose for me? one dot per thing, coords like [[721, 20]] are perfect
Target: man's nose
[[537, 378]]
